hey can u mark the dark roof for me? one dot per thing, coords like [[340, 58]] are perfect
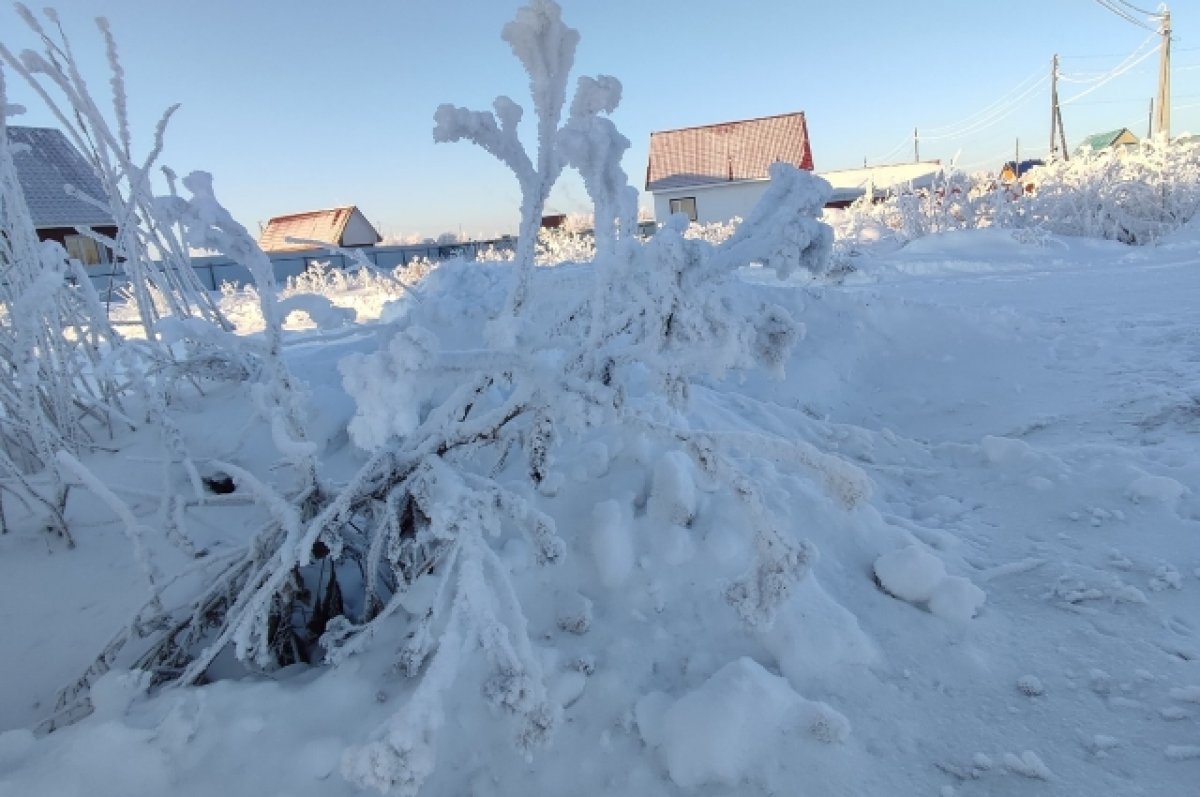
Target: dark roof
[[725, 152], [313, 225], [46, 162], [1019, 169]]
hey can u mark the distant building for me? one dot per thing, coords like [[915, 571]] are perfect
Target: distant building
[[1012, 170], [46, 164], [850, 184], [1121, 137], [715, 172], [343, 226]]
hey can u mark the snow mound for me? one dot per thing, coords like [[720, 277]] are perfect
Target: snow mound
[[915, 575], [911, 573], [1162, 489], [722, 731]]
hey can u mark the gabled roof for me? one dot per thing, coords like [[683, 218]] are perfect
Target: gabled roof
[[46, 162], [726, 152], [1018, 169], [327, 225], [1106, 139]]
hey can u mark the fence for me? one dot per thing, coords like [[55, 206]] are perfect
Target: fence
[[216, 271]]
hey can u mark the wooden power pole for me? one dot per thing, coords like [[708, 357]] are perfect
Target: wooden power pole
[[1163, 100], [1056, 124]]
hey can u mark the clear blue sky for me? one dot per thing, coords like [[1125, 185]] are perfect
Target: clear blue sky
[[298, 104]]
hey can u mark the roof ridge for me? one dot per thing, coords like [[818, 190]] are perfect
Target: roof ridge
[[731, 122], [316, 212]]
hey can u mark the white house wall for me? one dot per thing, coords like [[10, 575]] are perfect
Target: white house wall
[[359, 231], [718, 202]]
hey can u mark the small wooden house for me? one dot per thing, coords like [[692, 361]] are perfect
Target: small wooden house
[[1011, 171], [344, 227], [48, 166], [1121, 137]]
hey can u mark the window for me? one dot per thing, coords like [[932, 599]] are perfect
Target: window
[[83, 249], [685, 205]]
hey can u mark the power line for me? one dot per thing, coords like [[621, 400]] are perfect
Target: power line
[[1098, 76], [969, 120], [994, 117], [1125, 15], [904, 143], [1115, 73], [1137, 10]]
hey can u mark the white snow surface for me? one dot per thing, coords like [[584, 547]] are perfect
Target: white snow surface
[[1009, 604]]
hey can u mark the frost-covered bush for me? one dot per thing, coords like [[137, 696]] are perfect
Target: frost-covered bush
[[1135, 195], [54, 337], [70, 379], [463, 424], [484, 381]]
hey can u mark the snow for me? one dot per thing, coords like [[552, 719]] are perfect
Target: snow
[[927, 525], [720, 732], [1076, 668]]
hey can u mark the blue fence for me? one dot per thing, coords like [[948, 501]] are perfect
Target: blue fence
[[216, 271]]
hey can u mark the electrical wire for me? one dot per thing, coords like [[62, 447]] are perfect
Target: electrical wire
[[1112, 76], [1115, 70], [884, 158], [1137, 10], [967, 121], [995, 117], [1125, 15]]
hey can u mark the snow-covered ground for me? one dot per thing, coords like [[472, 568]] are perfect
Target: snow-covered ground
[[1013, 609]]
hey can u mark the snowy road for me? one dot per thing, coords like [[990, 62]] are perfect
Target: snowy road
[[1047, 422]]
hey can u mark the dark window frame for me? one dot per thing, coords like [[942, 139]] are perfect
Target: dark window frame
[[678, 205]]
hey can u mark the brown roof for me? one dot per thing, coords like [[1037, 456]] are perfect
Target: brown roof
[[726, 152], [315, 225]]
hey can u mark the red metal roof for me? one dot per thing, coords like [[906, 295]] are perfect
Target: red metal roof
[[725, 152], [315, 225]]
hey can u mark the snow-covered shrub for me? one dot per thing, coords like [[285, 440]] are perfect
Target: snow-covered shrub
[[71, 378], [463, 430], [54, 338], [716, 232], [1135, 195], [464, 426]]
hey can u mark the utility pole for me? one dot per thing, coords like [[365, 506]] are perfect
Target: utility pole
[[1163, 117], [1150, 120], [916, 146], [1056, 125]]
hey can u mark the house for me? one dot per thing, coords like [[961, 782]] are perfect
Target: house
[[715, 172], [850, 184], [344, 226], [1012, 170], [1121, 137], [46, 163]]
